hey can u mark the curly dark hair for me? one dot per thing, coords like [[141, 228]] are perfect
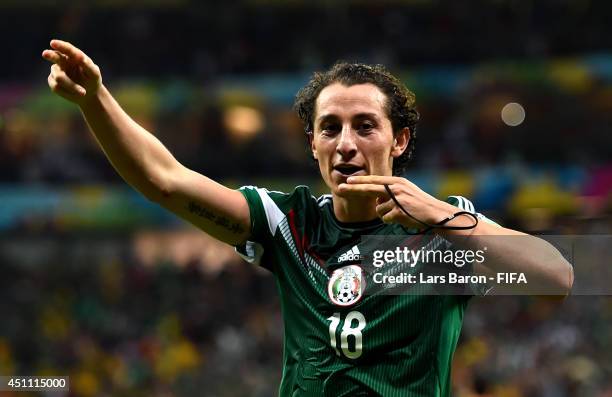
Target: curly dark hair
[[400, 106]]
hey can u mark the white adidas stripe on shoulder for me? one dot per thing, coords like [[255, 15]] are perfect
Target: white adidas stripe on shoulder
[[467, 205], [274, 191], [324, 199], [273, 214], [254, 252], [464, 204]]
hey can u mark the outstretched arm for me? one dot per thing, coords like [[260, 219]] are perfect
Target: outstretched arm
[[139, 157], [543, 265]]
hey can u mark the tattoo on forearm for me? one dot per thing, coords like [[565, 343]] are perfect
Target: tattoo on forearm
[[222, 221], [200, 211]]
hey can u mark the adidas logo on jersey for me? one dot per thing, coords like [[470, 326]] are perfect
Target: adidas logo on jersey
[[351, 255]]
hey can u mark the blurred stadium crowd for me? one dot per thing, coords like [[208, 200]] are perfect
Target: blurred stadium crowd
[[150, 315], [100, 284]]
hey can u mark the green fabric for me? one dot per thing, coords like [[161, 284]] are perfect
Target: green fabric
[[407, 341]]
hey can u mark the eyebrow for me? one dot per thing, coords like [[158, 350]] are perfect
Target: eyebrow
[[331, 116]]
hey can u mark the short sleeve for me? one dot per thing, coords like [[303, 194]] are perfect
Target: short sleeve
[[265, 216], [466, 205], [475, 289], [268, 211], [265, 213]]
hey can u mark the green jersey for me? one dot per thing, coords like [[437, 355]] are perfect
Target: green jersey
[[334, 345]]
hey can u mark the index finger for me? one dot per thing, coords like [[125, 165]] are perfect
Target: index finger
[[54, 56], [68, 49], [363, 189], [375, 179]]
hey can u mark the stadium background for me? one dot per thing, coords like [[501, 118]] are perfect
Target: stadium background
[[103, 286]]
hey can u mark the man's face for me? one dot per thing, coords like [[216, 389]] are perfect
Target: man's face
[[352, 133]]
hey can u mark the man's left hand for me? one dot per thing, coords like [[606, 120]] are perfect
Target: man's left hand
[[422, 206]]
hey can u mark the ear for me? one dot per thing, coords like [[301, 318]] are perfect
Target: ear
[[313, 148], [400, 142]]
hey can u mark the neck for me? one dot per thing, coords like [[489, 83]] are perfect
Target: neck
[[355, 209]]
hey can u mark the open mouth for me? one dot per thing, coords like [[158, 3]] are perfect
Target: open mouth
[[348, 169]]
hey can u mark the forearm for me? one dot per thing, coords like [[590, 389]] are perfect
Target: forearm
[[137, 155], [509, 251]]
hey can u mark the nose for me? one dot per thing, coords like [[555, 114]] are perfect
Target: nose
[[347, 146]]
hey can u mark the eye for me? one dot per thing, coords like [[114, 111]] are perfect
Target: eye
[[330, 129], [366, 126]]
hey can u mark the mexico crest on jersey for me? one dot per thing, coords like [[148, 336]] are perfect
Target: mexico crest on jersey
[[346, 285]]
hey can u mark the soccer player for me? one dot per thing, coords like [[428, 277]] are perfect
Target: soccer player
[[360, 122]]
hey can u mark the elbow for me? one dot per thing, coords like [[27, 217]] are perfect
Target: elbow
[[563, 280], [557, 275], [157, 188], [569, 283]]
